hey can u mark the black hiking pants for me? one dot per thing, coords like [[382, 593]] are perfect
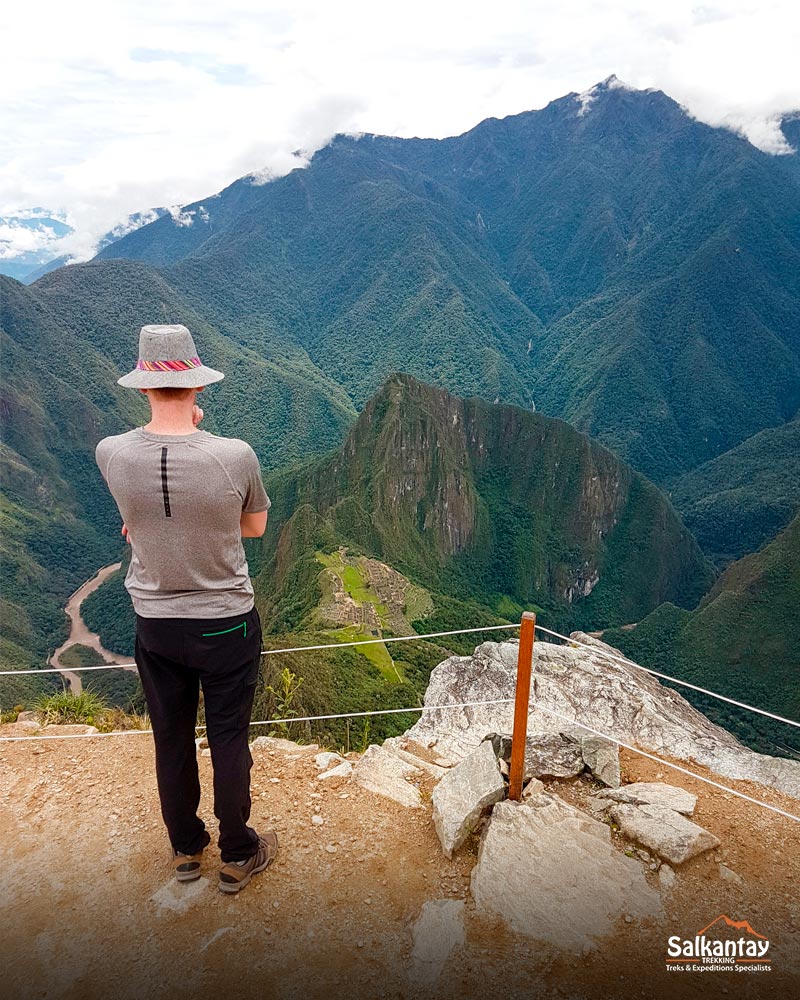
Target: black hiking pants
[[175, 656]]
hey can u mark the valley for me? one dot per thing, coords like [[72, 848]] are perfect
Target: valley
[[491, 372], [80, 635]]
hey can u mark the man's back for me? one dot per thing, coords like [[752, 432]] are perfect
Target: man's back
[[187, 497], [181, 497]]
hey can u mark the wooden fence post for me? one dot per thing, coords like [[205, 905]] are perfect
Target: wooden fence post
[[520, 731]]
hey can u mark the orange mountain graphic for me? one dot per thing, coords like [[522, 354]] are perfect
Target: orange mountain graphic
[[739, 925]]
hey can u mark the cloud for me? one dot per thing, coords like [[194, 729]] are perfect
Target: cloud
[[117, 108], [16, 240], [182, 219]]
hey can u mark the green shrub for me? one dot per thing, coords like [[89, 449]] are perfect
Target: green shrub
[[64, 708]]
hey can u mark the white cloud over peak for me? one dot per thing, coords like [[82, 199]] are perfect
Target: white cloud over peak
[[110, 109], [16, 240]]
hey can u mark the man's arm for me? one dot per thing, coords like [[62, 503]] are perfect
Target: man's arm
[[253, 525], [255, 502]]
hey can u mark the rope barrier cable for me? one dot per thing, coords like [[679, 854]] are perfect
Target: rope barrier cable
[[67, 670], [268, 722], [396, 638], [673, 680], [437, 708], [384, 711], [290, 649], [435, 635], [666, 763]]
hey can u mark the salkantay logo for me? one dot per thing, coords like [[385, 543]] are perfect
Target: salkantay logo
[[717, 948]]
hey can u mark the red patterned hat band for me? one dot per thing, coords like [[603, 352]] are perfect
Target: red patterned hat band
[[180, 365], [168, 357]]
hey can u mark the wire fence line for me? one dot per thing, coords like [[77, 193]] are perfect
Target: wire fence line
[[272, 652], [673, 680], [267, 722], [438, 708], [436, 635]]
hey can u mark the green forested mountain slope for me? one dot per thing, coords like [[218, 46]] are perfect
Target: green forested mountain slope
[[484, 503], [271, 394], [49, 542], [369, 268], [739, 501], [64, 344], [608, 259], [626, 267], [742, 641]]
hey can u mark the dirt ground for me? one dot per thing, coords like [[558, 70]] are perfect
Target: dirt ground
[[89, 908]]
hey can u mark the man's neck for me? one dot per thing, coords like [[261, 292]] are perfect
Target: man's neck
[[174, 415], [162, 428]]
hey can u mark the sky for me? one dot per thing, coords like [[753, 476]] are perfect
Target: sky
[[116, 106]]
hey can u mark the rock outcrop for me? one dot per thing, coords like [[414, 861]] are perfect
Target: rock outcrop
[[655, 815], [552, 755], [563, 754], [552, 873], [572, 684], [464, 794], [601, 757]]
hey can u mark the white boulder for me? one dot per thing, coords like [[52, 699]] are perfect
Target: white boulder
[[654, 793], [666, 832], [383, 773], [551, 873], [464, 794]]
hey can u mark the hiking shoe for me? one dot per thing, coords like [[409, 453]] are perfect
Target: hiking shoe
[[186, 866], [235, 875]]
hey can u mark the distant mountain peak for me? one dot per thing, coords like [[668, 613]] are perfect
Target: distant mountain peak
[[612, 82], [588, 98]]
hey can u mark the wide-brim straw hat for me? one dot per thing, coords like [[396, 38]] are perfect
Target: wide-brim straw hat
[[168, 358]]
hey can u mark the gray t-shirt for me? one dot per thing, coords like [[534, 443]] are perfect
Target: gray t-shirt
[[181, 497]]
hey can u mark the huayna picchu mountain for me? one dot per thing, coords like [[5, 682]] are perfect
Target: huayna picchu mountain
[[483, 502]]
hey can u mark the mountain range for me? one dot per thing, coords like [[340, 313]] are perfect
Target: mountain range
[[606, 266], [607, 259]]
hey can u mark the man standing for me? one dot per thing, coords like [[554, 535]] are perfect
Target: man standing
[[187, 498]]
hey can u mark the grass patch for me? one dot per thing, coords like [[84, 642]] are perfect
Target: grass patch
[[64, 708], [88, 709], [375, 652]]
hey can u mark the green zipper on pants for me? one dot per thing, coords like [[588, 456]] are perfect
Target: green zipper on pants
[[240, 625]]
